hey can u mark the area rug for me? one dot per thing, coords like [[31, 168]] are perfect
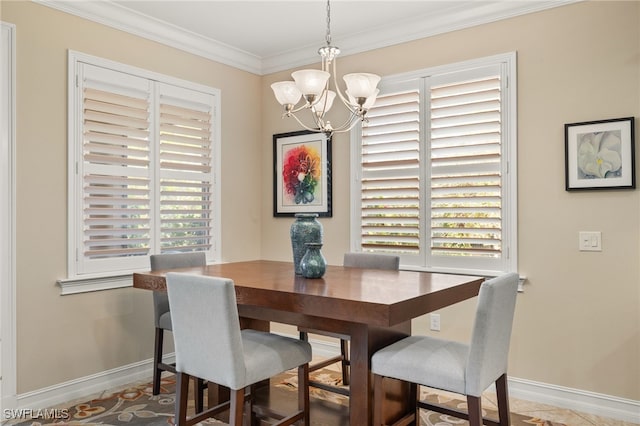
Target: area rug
[[135, 405]]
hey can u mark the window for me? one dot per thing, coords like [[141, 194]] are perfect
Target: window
[[143, 163], [434, 169]]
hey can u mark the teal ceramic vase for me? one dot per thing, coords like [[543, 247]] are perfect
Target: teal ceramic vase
[[313, 264], [305, 229]]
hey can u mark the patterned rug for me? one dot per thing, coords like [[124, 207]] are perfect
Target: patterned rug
[[135, 405]]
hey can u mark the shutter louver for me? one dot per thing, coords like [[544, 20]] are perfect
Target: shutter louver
[[390, 183], [116, 192], [465, 153], [185, 174]]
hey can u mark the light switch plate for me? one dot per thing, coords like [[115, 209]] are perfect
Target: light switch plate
[[590, 241]]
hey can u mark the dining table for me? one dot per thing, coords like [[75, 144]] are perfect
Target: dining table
[[374, 308]]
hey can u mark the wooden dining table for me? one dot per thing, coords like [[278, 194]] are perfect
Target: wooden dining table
[[374, 308]]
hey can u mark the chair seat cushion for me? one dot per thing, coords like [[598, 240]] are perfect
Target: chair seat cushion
[[424, 360], [268, 354], [164, 321]]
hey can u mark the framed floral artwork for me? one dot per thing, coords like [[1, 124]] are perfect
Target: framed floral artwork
[[302, 173], [600, 154]]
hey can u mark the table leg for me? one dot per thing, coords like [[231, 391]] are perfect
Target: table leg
[[365, 341]]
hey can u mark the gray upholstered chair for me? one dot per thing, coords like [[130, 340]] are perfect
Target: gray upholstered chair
[[210, 344], [352, 260], [162, 317], [466, 369]]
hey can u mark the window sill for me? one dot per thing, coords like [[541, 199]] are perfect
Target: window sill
[[86, 285]]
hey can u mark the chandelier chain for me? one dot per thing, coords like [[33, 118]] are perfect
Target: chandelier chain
[[328, 36]]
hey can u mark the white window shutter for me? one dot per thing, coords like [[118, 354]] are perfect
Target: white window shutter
[[114, 170], [390, 175], [186, 169], [436, 177], [144, 167], [465, 154]]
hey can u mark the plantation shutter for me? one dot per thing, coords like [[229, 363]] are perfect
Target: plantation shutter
[[435, 169], [465, 164], [186, 178], [390, 174], [114, 168], [143, 161]]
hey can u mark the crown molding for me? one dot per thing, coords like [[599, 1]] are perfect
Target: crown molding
[[115, 16], [458, 16]]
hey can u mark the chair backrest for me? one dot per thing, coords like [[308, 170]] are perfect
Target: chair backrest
[[371, 261], [168, 261], [206, 328], [489, 348], [177, 260]]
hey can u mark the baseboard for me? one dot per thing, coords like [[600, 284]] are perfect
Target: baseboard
[[88, 385], [598, 404], [543, 393]]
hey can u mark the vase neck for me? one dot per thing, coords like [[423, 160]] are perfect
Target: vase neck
[[306, 216]]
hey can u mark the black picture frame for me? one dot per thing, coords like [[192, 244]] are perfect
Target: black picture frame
[[302, 174], [600, 155]]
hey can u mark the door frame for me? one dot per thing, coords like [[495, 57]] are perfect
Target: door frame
[[8, 398]]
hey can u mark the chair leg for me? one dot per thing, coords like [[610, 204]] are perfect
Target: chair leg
[[157, 359], [199, 395], [250, 415], [414, 397], [303, 393], [502, 392], [182, 389], [237, 407], [344, 350], [475, 410]]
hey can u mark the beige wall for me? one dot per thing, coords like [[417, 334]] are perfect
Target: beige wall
[[85, 334], [578, 322]]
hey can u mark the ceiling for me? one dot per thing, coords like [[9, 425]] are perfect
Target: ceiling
[[264, 36]]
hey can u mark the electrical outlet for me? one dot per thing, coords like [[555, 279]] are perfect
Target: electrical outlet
[[435, 322]]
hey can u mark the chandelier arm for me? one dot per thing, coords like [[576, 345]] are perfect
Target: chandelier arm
[[345, 101], [300, 108], [307, 127], [348, 124]]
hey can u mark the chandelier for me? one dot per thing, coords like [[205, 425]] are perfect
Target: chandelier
[[313, 86]]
